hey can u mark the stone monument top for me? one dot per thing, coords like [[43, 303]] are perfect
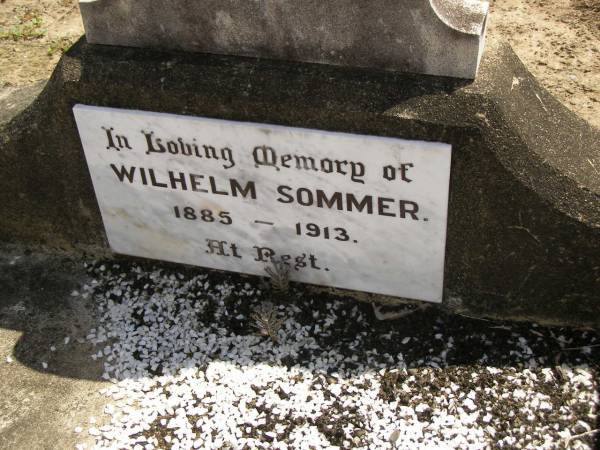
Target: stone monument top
[[436, 37]]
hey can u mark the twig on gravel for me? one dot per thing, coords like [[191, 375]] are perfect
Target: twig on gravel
[[582, 347], [581, 435], [559, 341], [472, 317], [393, 315]]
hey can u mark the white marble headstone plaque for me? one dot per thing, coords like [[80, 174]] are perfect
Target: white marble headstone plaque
[[356, 212]]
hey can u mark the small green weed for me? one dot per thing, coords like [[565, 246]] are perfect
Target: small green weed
[[26, 31], [267, 321], [59, 45], [279, 274]]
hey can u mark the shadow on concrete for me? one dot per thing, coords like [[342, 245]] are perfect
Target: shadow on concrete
[[275, 83], [37, 298]]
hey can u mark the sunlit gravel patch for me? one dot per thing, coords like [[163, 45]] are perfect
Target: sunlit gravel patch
[[190, 368]]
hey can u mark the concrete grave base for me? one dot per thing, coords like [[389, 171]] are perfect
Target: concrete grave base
[[524, 212]]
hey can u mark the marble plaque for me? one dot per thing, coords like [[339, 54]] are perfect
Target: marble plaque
[[357, 212]]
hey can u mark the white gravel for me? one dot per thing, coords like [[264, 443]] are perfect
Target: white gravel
[[189, 369]]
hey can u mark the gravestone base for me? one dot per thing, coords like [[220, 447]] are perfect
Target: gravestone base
[[523, 239]]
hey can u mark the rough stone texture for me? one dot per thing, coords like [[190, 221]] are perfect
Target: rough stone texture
[[524, 212], [438, 37]]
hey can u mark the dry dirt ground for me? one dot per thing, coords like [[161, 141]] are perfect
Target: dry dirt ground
[[559, 40]]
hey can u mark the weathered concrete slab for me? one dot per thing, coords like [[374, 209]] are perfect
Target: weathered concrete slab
[[40, 407], [524, 216], [437, 37]]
